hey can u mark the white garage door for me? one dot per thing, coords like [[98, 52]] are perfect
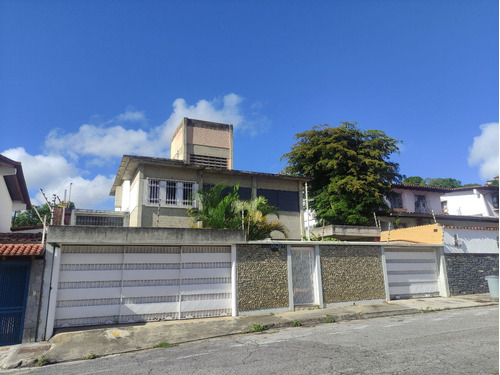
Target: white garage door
[[412, 274], [125, 284]]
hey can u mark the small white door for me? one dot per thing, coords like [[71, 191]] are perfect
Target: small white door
[[412, 274], [303, 275]]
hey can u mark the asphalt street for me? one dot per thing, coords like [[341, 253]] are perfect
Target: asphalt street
[[444, 342]]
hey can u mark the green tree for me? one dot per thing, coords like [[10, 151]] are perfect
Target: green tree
[[29, 217], [413, 180], [448, 182], [220, 209], [350, 168], [443, 182]]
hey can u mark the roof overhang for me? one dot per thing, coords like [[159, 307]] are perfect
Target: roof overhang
[[12, 172], [129, 164]]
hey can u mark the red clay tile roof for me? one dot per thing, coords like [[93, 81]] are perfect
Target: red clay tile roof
[[21, 249], [21, 244]]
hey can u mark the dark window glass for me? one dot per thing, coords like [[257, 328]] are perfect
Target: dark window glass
[[288, 201], [270, 195], [245, 193]]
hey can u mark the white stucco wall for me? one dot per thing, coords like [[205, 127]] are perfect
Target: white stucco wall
[[470, 202], [5, 207], [470, 241]]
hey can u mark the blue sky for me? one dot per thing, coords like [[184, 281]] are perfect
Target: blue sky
[[84, 82]]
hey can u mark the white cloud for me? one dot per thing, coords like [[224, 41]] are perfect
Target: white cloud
[[71, 157], [484, 151], [106, 142], [103, 142], [225, 110], [130, 115], [39, 170], [53, 173]]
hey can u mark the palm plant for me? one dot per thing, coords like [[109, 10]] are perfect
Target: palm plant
[[220, 211], [255, 222], [217, 211]]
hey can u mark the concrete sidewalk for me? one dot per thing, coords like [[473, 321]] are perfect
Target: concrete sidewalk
[[76, 345]]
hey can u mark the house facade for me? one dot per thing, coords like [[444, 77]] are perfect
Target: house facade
[[21, 261], [13, 191], [414, 205], [472, 201], [157, 192]]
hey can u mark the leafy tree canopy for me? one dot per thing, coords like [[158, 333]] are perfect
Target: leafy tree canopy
[[221, 208], [435, 182], [29, 217], [350, 168]]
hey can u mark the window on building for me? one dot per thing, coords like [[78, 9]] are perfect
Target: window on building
[[283, 200], [209, 161], [170, 193], [396, 200], [154, 191], [421, 204], [494, 200], [444, 207]]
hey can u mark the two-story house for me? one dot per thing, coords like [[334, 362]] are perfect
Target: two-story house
[[13, 191], [414, 205], [156, 192], [472, 201]]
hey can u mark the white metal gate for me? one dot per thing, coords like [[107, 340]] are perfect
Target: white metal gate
[[412, 274], [303, 275], [125, 284]]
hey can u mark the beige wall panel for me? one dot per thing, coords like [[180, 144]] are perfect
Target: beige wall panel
[[172, 173], [208, 137], [276, 184], [215, 178], [169, 218]]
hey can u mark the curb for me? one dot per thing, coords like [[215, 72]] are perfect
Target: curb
[[282, 322]]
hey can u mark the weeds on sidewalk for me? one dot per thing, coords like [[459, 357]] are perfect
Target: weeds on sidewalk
[[428, 309], [163, 344], [296, 323], [330, 319], [43, 360], [257, 328], [90, 356]]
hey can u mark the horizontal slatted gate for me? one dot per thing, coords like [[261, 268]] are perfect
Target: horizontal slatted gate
[[412, 274], [128, 284]]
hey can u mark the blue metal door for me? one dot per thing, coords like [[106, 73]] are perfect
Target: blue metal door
[[14, 278]]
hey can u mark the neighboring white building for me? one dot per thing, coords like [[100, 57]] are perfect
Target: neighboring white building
[[13, 191], [414, 205], [473, 201], [470, 240]]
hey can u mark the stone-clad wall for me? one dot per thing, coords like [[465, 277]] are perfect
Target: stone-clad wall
[[351, 273], [262, 278], [33, 300], [466, 272]]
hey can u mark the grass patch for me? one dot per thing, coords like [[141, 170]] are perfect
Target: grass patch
[[296, 323], [257, 328], [428, 310], [163, 344], [43, 360], [330, 319], [90, 356]]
